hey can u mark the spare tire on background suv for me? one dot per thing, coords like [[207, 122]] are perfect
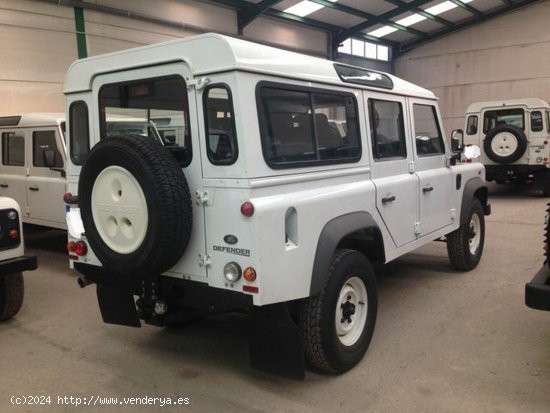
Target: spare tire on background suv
[[505, 144], [135, 206]]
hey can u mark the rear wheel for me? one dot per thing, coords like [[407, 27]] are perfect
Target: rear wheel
[[337, 324], [465, 245], [12, 291]]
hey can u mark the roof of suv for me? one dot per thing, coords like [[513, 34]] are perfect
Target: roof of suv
[[530, 103], [31, 119], [224, 53]]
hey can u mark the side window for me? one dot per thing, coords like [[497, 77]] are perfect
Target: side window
[[427, 133], [219, 121], [13, 149], [44, 148], [513, 117], [536, 121], [133, 108], [301, 126], [471, 125], [547, 121], [79, 132], [387, 131]]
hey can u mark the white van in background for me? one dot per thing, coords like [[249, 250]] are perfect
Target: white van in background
[[32, 152]]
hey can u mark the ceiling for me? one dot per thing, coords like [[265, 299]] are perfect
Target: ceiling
[[343, 19]]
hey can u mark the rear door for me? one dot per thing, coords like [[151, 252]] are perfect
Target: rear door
[[392, 157], [161, 94], [45, 186], [13, 171]]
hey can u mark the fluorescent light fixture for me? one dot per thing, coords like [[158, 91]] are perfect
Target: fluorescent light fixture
[[305, 7], [416, 18]]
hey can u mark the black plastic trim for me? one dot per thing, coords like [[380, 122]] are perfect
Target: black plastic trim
[[471, 188], [24, 263], [537, 292]]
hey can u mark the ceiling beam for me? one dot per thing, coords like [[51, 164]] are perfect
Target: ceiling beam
[[424, 13], [382, 19], [467, 7], [465, 24], [247, 16]]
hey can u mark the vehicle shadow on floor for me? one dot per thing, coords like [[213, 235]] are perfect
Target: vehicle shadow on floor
[[42, 238], [514, 190]]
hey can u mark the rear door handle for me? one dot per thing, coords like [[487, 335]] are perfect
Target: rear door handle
[[428, 189], [34, 188], [388, 199], [4, 185]]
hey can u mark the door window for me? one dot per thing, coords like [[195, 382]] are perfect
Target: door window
[[387, 130], [427, 133], [44, 145], [13, 149]]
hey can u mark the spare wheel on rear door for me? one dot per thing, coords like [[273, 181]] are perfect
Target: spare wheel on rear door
[[505, 144], [135, 205]]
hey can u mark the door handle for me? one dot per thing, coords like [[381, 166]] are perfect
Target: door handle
[[428, 189], [33, 188], [388, 199], [4, 185]]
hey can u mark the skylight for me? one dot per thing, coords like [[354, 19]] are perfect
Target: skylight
[[305, 7], [416, 18]]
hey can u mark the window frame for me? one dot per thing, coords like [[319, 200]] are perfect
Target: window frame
[[531, 121], [221, 85], [372, 136], [437, 124], [71, 130], [310, 90], [6, 135], [476, 117], [56, 149]]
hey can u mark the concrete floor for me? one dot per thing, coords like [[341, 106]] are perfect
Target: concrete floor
[[444, 341]]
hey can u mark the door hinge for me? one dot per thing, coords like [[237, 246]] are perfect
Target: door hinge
[[453, 214], [203, 197], [28, 211], [197, 83], [205, 260], [412, 167], [417, 228]]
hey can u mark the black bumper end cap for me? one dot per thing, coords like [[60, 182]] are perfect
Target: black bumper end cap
[[537, 292], [23, 263]]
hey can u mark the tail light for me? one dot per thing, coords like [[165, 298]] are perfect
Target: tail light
[[247, 209], [79, 248], [249, 274], [13, 233]]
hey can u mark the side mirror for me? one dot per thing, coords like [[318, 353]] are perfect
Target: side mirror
[[49, 158], [457, 140]]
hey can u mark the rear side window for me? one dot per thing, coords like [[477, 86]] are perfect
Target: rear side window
[[303, 127], [427, 133], [13, 149], [79, 132], [42, 143], [471, 125], [536, 121], [548, 121], [387, 131], [494, 118], [221, 145], [131, 109]]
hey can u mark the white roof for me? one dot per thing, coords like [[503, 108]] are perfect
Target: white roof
[[211, 53], [36, 119], [530, 103]]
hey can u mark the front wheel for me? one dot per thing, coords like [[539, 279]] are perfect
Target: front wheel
[[11, 295], [337, 324], [465, 245]]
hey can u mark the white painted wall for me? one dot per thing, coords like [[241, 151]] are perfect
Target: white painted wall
[[507, 57]]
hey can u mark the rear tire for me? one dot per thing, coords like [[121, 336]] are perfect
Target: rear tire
[[337, 324], [12, 290], [465, 245]]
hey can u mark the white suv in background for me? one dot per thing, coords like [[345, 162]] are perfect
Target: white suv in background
[[288, 178], [515, 138]]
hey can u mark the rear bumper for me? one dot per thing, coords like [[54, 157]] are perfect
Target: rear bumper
[[24, 263], [537, 292]]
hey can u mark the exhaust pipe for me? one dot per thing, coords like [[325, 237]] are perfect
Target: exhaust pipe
[[84, 282]]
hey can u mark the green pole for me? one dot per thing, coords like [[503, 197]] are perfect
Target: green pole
[[80, 32]]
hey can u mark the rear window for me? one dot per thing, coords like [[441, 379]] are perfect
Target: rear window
[[131, 108], [494, 118], [221, 137], [536, 121], [79, 132], [304, 127]]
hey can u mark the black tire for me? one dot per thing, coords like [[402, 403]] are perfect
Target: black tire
[[323, 348], [12, 290], [518, 135], [167, 198], [458, 242]]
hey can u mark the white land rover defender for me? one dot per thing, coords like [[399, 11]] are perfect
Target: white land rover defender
[[514, 136], [257, 201], [12, 259]]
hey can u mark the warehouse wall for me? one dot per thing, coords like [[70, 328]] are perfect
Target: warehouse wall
[[507, 57], [38, 40]]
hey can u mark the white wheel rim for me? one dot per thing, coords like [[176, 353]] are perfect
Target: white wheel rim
[[504, 144], [119, 210], [475, 233], [351, 311]]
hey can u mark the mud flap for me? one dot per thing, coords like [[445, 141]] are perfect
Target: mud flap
[[275, 345], [117, 307]]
